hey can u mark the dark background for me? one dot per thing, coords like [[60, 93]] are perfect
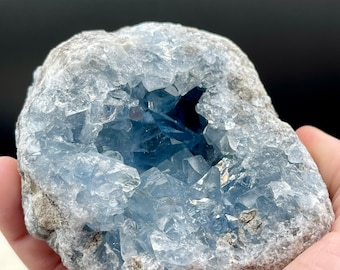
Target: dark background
[[295, 46]]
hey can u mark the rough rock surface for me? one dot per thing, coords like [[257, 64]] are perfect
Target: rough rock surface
[[157, 147]]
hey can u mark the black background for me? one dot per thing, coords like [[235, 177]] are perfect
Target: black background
[[295, 46]]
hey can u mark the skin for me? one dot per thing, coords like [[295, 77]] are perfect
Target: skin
[[325, 150], [36, 254]]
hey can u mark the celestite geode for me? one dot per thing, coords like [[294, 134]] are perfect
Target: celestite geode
[[157, 147]]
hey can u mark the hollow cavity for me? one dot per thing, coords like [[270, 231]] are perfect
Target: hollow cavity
[[158, 126]]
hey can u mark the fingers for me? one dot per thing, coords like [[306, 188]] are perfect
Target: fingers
[[10, 200], [34, 253], [325, 150]]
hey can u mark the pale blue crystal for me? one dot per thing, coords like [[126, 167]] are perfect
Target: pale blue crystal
[[157, 147]]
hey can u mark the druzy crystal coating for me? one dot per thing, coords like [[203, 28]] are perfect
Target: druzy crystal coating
[[157, 147]]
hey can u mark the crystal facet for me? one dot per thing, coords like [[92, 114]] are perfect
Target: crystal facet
[[157, 147]]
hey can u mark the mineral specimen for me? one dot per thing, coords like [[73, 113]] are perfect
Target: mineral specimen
[[157, 147]]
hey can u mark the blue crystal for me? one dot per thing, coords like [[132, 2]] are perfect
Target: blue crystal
[[155, 130], [157, 147]]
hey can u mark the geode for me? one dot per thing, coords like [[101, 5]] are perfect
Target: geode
[[157, 147]]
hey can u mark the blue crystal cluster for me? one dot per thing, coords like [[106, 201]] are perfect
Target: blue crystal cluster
[[159, 126], [157, 147]]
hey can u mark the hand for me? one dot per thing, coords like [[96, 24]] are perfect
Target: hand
[[36, 254], [325, 150]]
